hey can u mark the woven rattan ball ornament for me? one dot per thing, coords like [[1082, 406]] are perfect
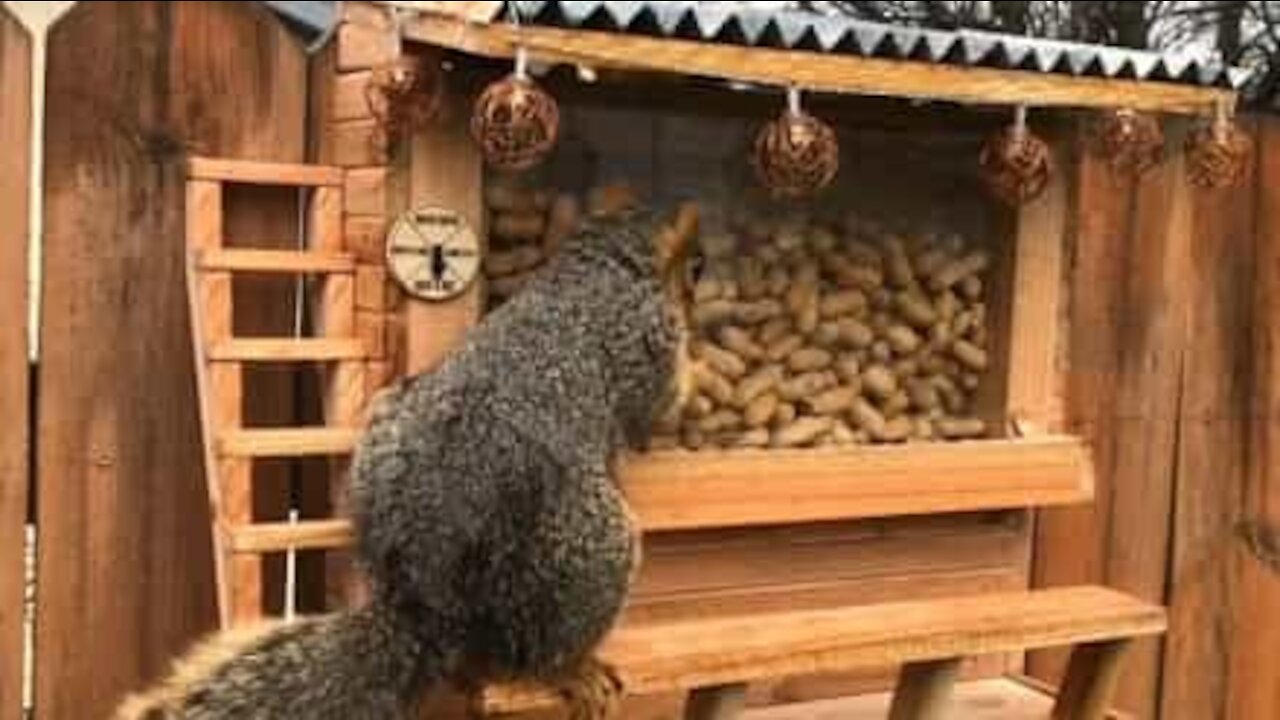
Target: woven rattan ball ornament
[[1015, 164], [515, 121], [797, 154], [1129, 141], [403, 97], [1217, 154]]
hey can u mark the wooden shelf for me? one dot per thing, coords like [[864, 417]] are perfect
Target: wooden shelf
[[707, 652], [677, 490], [278, 537], [252, 172], [288, 442], [277, 261], [287, 350]]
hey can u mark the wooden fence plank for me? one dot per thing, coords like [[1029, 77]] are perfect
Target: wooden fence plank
[[1127, 315], [125, 560], [1212, 437], [15, 127], [1254, 687]]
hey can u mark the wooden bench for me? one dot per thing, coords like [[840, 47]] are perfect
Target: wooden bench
[[714, 659]]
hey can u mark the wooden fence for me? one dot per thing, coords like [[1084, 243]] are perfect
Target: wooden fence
[[15, 118], [1173, 353]]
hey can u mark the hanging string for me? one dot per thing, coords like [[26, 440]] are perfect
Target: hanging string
[[793, 100], [291, 574], [1020, 124]]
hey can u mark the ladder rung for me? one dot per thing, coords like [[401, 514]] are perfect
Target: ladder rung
[[277, 261], [288, 442], [287, 349], [278, 537], [252, 172]]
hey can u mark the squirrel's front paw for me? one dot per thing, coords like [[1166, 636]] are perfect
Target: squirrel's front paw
[[594, 692]]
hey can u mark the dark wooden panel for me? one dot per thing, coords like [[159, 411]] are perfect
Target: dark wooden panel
[[125, 560], [1127, 331], [1211, 456], [15, 126], [1253, 691]]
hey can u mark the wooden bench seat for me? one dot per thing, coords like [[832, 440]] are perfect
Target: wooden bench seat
[[715, 658]]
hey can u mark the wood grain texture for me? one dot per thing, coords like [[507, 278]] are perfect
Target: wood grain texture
[[1253, 691], [924, 690], [1127, 331], [1034, 390], [1092, 676], [132, 87], [816, 71], [1212, 455], [446, 172], [677, 490], [741, 649], [15, 138]]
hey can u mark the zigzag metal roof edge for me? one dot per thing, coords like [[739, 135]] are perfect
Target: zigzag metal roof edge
[[780, 28]]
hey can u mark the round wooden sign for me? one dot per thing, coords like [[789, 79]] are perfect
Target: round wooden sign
[[433, 253]]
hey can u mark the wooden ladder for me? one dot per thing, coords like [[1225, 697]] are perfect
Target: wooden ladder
[[231, 449]]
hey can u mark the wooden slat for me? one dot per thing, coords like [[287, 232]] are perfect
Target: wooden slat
[[289, 442], [815, 71], [446, 171], [278, 537], [995, 699], [1127, 291], [1035, 387], [1212, 456], [256, 172], [924, 690], [287, 350], [1255, 663], [277, 261], [204, 215], [15, 480], [718, 651], [673, 490], [126, 570], [1092, 676]]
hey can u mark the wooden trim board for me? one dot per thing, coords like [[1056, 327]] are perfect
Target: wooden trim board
[[683, 490], [814, 71], [714, 651]]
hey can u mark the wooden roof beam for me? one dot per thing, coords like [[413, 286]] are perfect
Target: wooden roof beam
[[820, 72]]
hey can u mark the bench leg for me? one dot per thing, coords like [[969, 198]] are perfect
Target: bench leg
[[1091, 678], [924, 690], [720, 702]]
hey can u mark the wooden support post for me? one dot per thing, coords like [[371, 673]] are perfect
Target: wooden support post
[[718, 702], [1091, 679], [924, 690]]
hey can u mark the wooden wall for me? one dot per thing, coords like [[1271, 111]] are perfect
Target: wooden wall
[[15, 139], [125, 565], [1173, 327]]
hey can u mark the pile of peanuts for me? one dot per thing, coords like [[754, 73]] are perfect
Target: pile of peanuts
[[526, 225], [807, 335]]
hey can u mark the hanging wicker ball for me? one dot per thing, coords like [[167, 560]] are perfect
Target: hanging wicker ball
[[403, 97], [796, 155], [515, 122], [1217, 155], [1130, 141], [1015, 165]]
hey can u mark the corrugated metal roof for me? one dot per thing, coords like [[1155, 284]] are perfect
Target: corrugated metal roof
[[752, 25], [756, 25]]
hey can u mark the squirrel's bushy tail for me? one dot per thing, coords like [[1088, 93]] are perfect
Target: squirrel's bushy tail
[[357, 665]]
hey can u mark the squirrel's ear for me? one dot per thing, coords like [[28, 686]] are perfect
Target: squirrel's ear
[[675, 240]]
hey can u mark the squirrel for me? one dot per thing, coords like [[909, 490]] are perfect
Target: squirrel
[[497, 542]]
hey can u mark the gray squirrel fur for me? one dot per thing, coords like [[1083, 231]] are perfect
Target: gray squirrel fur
[[497, 542]]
